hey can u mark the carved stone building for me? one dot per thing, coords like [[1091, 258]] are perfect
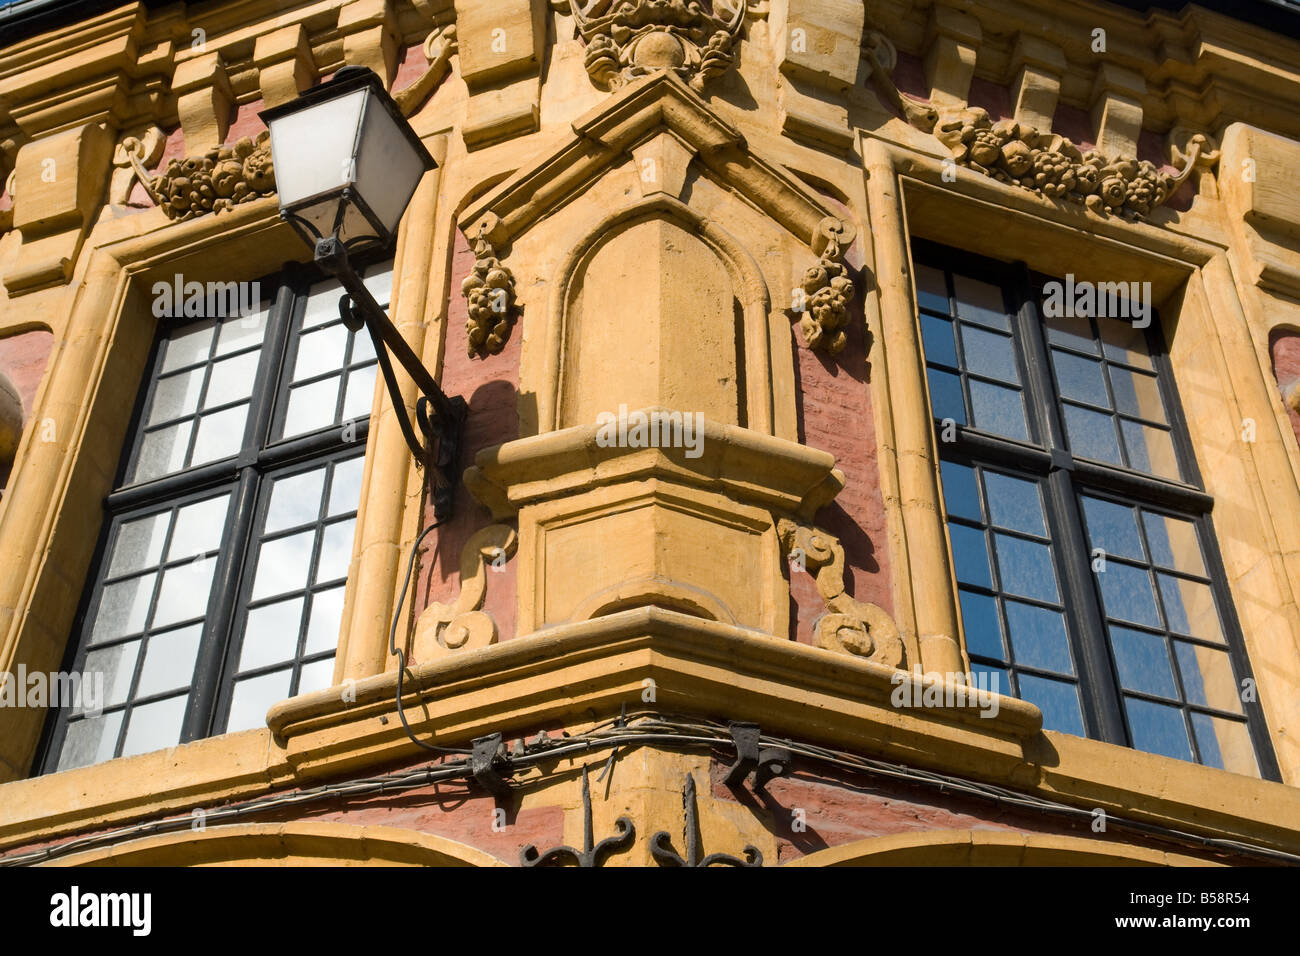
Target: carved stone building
[[881, 439]]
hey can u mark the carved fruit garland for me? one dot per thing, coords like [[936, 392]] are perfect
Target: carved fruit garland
[[1051, 165], [219, 179], [628, 39]]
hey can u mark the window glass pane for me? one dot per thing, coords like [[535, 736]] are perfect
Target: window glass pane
[[295, 500], [231, 380], [1014, 503], [1025, 568], [254, 696], [243, 332], [115, 668], [317, 675], [970, 555], [1189, 606], [1058, 700], [1158, 728], [379, 280], [335, 552], [945, 396], [184, 592], [1113, 528], [1143, 662], [345, 486], [961, 494], [188, 344], [163, 452], [123, 608], [1137, 393], [221, 435], [1126, 592], [169, 661], [312, 407], [360, 393], [271, 634], [940, 348], [154, 726], [322, 303], [283, 565], [326, 616], [139, 544], [1080, 378], [1091, 434], [321, 351], [1038, 637], [1121, 342], [1174, 543], [90, 740], [199, 528], [1225, 744], [989, 354], [1150, 450], [980, 302], [998, 410], [1207, 677], [1073, 332], [931, 289], [177, 396]]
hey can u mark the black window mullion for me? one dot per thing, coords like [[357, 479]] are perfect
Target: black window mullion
[[1099, 692], [216, 625]]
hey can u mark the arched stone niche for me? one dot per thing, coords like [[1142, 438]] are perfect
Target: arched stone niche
[[660, 306]]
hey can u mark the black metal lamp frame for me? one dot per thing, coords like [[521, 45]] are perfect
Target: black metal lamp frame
[[440, 419]]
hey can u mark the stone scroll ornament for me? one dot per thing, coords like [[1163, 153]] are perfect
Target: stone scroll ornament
[[849, 626], [489, 292], [215, 181], [628, 39], [463, 625], [1052, 166]]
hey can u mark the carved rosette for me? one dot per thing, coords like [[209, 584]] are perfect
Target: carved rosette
[[489, 292], [219, 179], [849, 626], [1052, 166], [628, 39]]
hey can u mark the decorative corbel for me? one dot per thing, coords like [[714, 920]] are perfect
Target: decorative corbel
[[825, 294], [489, 292], [464, 625], [882, 57], [438, 49], [1196, 153], [8, 160], [131, 160], [849, 626]]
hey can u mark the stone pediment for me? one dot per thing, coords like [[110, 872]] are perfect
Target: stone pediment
[[659, 118]]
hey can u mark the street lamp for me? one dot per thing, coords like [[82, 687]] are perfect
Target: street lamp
[[346, 165]]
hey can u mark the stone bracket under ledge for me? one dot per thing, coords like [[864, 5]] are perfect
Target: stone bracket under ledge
[[604, 527]]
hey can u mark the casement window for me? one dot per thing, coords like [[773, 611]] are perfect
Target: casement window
[[1089, 579], [217, 588]]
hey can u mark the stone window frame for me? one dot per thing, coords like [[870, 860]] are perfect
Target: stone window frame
[[1195, 291]]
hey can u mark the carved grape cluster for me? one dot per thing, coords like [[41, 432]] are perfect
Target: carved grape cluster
[[829, 292], [489, 292]]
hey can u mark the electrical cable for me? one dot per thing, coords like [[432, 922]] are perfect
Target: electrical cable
[[641, 730], [401, 655]]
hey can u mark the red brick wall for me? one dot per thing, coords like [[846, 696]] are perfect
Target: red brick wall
[[491, 387], [835, 415]]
